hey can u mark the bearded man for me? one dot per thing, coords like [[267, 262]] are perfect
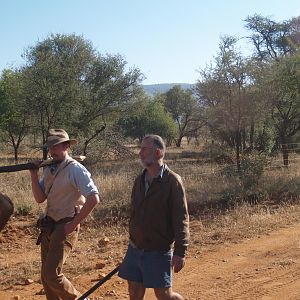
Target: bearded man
[[159, 226]]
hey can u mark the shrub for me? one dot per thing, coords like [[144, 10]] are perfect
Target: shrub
[[23, 209], [283, 188], [251, 171]]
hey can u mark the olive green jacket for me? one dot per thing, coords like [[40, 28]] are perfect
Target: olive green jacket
[[159, 218]]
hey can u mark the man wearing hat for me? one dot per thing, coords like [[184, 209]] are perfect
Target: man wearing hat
[[71, 195]]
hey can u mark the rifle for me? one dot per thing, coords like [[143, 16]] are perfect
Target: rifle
[[100, 282], [33, 165]]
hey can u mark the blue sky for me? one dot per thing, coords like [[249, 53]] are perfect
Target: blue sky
[[168, 40]]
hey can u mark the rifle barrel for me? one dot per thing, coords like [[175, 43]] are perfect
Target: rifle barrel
[[19, 167], [32, 166], [99, 283]]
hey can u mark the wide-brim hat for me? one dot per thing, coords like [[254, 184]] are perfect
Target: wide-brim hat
[[58, 136]]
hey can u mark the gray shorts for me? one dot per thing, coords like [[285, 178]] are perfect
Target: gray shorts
[[151, 268]]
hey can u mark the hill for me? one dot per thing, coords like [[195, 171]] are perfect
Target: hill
[[152, 89]]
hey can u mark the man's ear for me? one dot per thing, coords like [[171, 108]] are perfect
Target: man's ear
[[158, 153], [66, 146]]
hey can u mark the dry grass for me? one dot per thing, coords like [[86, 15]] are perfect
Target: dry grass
[[206, 184], [240, 223], [210, 225]]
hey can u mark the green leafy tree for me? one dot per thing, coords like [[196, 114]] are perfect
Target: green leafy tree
[[277, 52], [183, 107], [272, 39], [55, 71], [14, 113], [148, 116], [72, 86], [284, 92], [223, 91], [108, 91]]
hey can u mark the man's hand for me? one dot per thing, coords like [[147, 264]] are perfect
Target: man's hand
[[177, 263], [91, 201], [38, 193], [34, 173], [70, 227]]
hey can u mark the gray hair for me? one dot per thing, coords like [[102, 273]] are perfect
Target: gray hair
[[157, 142]]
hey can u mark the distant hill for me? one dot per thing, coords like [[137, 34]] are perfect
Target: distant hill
[[152, 89]]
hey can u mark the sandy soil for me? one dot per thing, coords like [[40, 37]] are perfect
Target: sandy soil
[[263, 267]]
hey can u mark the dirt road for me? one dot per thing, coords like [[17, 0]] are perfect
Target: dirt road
[[265, 267], [261, 268]]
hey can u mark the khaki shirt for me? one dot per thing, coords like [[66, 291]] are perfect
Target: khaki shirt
[[66, 188]]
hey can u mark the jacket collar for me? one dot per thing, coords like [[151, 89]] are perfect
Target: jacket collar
[[162, 174]]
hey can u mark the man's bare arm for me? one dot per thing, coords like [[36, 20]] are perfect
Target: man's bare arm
[[37, 191], [91, 201]]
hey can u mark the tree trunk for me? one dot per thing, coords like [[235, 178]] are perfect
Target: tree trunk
[[285, 155], [178, 141], [251, 141], [243, 140], [87, 142], [45, 153], [45, 149], [237, 150], [16, 154]]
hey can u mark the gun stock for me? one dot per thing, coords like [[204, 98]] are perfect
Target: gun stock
[[32, 166]]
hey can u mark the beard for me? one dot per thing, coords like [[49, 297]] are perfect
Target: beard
[[146, 163]]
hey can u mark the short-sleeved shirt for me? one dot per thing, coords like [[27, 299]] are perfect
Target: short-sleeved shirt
[[66, 187], [79, 177]]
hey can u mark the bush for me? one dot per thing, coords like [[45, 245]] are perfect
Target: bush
[[251, 171], [23, 209], [284, 189], [218, 154], [245, 185]]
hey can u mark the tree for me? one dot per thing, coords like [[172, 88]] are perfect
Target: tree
[[272, 39], [14, 113], [223, 91], [277, 51], [183, 107], [259, 109], [284, 91], [55, 71], [108, 91], [148, 116], [73, 86]]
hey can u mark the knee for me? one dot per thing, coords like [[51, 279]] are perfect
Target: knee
[[136, 291], [163, 293], [136, 295], [167, 294], [49, 275]]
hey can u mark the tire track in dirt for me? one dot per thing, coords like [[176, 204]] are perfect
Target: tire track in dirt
[[265, 267]]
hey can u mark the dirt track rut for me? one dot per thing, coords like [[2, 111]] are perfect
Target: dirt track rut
[[265, 267]]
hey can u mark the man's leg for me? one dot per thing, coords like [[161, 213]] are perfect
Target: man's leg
[[44, 253], [167, 294], [53, 279], [136, 290], [157, 274], [130, 270]]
